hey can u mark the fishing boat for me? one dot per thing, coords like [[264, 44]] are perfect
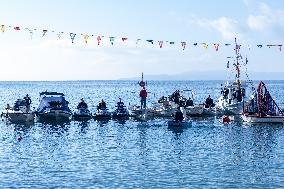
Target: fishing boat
[[19, 113], [53, 106], [262, 108], [235, 93], [120, 111]]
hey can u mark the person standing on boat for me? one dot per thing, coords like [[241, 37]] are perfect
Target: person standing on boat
[[143, 96], [28, 102]]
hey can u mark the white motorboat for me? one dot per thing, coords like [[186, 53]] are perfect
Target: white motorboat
[[195, 110], [19, 113], [53, 106], [262, 108], [142, 114], [164, 109]]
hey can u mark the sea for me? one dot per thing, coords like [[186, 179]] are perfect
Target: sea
[[137, 154]]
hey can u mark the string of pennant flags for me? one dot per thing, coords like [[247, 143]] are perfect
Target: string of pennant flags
[[112, 39]]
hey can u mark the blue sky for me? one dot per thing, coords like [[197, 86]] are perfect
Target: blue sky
[[49, 58]]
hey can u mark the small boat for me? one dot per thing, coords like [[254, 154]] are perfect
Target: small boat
[[174, 123], [82, 114], [120, 111], [20, 113], [262, 108], [180, 122], [53, 106]]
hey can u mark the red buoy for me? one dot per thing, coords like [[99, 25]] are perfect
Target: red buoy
[[226, 119]]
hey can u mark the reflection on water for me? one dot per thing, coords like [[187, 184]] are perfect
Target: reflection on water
[[136, 153]]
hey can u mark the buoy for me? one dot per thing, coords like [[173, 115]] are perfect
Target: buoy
[[226, 119]]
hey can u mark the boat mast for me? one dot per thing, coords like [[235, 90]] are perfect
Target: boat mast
[[237, 64]]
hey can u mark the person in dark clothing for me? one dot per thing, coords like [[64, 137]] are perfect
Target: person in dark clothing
[[82, 104], [209, 102], [143, 96], [226, 92], [178, 115], [239, 95], [102, 104], [189, 102], [120, 103], [28, 102]]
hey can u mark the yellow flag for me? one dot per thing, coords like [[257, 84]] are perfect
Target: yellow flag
[[205, 45], [2, 28], [86, 38]]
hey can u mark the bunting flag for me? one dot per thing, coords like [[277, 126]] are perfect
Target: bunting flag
[[2, 28], [59, 34], [248, 47], [86, 38], [137, 41], [44, 32], [111, 39], [280, 46], [99, 40], [30, 32], [161, 44], [183, 44], [238, 47], [205, 45], [72, 36], [216, 46], [150, 41]]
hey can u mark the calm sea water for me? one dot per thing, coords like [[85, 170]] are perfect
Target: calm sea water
[[132, 154]]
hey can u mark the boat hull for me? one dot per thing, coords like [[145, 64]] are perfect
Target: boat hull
[[55, 115], [173, 123], [265, 119], [196, 110], [17, 116]]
